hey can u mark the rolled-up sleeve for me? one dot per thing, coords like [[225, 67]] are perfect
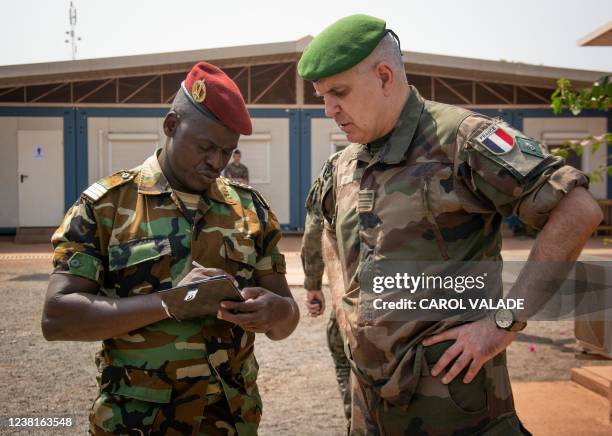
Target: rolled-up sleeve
[[76, 245], [525, 179]]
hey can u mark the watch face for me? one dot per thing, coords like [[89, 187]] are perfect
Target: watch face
[[504, 318]]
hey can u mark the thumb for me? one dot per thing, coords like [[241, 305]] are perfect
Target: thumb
[[252, 293]]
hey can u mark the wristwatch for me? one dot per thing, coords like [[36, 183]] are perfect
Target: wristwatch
[[506, 320]]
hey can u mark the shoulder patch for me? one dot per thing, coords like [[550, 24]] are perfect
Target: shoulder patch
[[496, 140], [529, 146], [95, 192], [99, 189], [509, 148]]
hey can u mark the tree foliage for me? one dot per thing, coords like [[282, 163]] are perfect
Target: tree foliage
[[598, 97]]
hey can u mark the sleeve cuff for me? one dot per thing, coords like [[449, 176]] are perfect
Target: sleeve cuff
[[313, 284]]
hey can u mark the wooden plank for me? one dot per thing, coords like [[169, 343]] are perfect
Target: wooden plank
[[591, 380]]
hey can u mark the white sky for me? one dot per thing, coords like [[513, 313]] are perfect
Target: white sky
[[532, 31]]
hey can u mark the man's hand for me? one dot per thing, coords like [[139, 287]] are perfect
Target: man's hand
[[261, 311], [315, 303], [475, 344], [200, 273]]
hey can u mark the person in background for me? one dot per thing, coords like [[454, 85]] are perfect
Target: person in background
[[313, 266], [237, 171]]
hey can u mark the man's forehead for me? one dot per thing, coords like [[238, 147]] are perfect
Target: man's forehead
[[222, 137], [329, 84]]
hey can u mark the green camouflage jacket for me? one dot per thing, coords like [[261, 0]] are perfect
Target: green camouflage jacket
[[436, 190], [131, 234]]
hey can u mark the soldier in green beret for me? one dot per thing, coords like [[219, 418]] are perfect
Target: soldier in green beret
[[163, 371], [424, 181]]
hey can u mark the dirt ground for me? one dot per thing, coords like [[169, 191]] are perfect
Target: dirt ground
[[297, 383]]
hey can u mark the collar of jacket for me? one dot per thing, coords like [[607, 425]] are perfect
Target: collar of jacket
[[152, 181], [394, 151]]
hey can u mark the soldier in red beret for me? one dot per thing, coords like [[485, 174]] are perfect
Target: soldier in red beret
[[140, 231]]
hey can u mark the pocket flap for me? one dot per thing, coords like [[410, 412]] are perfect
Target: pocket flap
[[144, 385], [240, 249], [137, 251]]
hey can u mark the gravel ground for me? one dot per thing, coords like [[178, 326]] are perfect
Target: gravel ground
[[296, 381]]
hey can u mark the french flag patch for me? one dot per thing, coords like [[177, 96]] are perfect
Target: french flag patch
[[496, 140]]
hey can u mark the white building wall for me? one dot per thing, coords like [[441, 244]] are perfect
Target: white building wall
[[266, 153], [99, 145], [270, 155], [325, 137], [543, 128], [9, 179]]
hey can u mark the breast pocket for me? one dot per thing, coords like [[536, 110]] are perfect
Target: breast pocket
[[140, 266], [240, 257]]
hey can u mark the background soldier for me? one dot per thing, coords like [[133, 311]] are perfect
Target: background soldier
[[137, 232], [424, 181], [235, 170], [312, 263]]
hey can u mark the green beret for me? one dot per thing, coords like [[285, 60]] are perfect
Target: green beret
[[341, 46]]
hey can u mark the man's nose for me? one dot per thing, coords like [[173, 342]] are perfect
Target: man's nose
[[331, 106], [215, 160]]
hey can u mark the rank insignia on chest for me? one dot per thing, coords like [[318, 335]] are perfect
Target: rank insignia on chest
[[496, 140], [365, 202], [529, 146]]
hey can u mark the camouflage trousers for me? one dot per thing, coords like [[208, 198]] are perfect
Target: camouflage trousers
[[341, 363], [188, 414], [483, 407]]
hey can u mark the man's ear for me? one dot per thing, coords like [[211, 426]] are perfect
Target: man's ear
[[385, 74], [170, 123]]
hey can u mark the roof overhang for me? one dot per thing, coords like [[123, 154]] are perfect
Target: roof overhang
[[601, 36], [279, 52]]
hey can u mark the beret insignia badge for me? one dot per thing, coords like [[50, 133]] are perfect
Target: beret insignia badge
[[198, 90]]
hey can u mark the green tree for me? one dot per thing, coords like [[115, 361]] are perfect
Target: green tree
[[598, 97]]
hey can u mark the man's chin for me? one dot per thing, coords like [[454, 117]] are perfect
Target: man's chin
[[355, 138], [200, 186]]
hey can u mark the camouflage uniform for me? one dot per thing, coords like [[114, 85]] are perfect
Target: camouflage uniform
[[312, 263], [131, 234], [429, 192], [239, 171]]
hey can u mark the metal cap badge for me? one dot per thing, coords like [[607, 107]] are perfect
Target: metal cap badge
[[198, 90]]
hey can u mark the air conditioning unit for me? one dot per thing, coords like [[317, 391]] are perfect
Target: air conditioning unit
[[593, 323]]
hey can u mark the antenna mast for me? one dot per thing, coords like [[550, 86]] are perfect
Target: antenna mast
[[72, 15]]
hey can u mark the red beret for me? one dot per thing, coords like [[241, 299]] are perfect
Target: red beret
[[212, 92]]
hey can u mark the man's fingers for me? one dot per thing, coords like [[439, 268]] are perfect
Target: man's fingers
[[474, 368], [208, 271], [247, 321], [240, 318], [441, 337], [313, 307], [460, 363], [211, 272], [449, 355], [251, 293], [241, 306]]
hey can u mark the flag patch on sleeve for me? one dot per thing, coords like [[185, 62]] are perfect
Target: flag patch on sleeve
[[496, 140]]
